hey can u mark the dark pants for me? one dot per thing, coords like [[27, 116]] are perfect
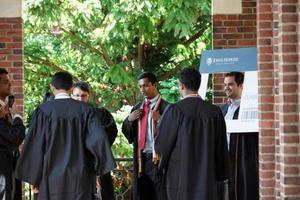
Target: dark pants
[[17, 191], [107, 188], [17, 184], [6, 170], [148, 179]]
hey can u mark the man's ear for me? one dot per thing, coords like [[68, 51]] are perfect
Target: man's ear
[[155, 85], [242, 85], [52, 88], [181, 86]]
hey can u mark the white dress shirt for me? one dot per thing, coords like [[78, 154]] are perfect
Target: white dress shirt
[[233, 106], [149, 135]]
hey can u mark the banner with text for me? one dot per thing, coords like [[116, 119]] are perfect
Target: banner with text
[[241, 60]]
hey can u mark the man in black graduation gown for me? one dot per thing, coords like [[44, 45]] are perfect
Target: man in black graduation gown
[[81, 92], [12, 133], [65, 147], [139, 128], [191, 142], [243, 147]]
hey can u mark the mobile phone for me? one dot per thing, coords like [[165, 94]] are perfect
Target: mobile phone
[[11, 100]]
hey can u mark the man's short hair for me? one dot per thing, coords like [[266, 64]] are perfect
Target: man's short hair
[[150, 76], [3, 71], [191, 78], [238, 77], [82, 86], [62, 80]]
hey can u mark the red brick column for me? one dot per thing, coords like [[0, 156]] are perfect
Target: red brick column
[[288, 148], [298, 49], [268, 92], [278, 61], [11, 54]]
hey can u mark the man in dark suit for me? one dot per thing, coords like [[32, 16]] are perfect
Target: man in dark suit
[[139, 128], [12, 133], [243, 147]]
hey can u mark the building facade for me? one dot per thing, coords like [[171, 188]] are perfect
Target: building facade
[[273, 27]]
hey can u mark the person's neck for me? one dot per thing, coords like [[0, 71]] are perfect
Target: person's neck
[[151, 98], [235, 99], [56, 92], [189, 93]]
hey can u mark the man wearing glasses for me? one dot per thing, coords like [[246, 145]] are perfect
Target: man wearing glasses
[[81, 92]]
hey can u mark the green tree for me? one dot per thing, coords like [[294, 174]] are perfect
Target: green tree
[[108, 43]]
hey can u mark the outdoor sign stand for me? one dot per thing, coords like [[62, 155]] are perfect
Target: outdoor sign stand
[[241, 60]]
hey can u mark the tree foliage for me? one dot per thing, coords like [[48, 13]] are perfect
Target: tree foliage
[[109, 42]]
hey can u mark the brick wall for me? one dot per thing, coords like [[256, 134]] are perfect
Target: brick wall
[[287, 146], [298, 49], [279, 99], [267, 47], [233, 31], [278, 43], [11, 55]]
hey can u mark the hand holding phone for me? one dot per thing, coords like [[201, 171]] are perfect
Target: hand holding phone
[[11, 100]]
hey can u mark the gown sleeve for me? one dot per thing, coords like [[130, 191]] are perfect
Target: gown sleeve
[[109, 124], [30, 163], [221, 153], [98, 145], [11, 135], [166, 135], [130, 129]]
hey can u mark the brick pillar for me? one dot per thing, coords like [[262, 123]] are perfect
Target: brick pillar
[[278, 63], [288, 148], [267, 77], [233, 31], [298, 49], [11, 55]]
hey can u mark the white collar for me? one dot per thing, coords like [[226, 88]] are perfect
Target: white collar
[[153, 99], [192, 95], [2, 102], [62, 95], [234, 101]]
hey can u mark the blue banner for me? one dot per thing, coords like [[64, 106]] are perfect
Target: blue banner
[[227, 60]]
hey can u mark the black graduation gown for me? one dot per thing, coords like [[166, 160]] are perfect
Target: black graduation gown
[[130, 130], [65, 147], [191, 141], [243, 150], [108, 122], [11, 136]]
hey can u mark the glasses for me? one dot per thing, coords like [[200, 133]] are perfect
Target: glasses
[[80, 96]]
